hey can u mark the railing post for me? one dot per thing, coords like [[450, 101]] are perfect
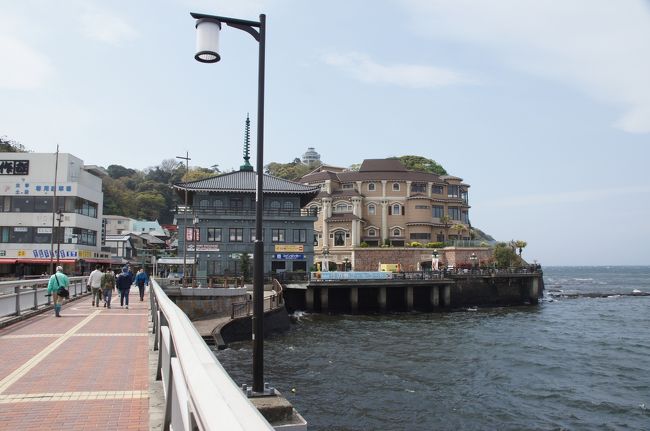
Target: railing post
[[35, 287], [17, 291]]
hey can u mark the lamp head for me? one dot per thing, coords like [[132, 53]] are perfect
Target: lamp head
[[207, 40]]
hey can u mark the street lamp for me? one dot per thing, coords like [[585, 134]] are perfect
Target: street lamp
[[434, 260], [187, 169], [207, 51], [59, 219], [346, 262], [473, 258]]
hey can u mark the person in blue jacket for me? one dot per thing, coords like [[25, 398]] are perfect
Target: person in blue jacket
[[141, 279], [124, 282]]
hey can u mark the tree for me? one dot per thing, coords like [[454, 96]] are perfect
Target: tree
[[459, 229], [117, 171], [198, 173], [504, 255], [421, 164], [245, 266], [10, 146], [289, 171], [445, 220], [518, 244]]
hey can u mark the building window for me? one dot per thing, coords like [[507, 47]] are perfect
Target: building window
[[300, 235], [218, 203], [204, 203], [454, 213], [236, 203], [236, 234], [437, 211], [4, 234], [453, 191], [339, 238], [396, 232], [277, 235], [214, 234], [275, 205], [372, 209], [23, 205], [371, 187], [437, 190], [288, 206], [396, 209], [372, 232], [419, 187], [396, 187], [348, 186], [21, 234], [253, 235], [342, 208], [420, 235], [422, 207], [316, 239]]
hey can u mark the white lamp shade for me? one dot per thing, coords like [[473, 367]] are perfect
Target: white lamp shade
[[207, 40]]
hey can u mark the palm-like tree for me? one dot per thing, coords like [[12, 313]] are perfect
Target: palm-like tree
[[445, 220], [519, 244], [459, 229]]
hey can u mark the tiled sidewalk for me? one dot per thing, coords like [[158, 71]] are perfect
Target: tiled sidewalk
[[87, 370]]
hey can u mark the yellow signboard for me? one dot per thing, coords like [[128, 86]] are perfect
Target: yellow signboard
[[85, 254], [290, 248]]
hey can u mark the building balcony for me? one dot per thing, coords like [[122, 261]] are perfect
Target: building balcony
[[269, 213]]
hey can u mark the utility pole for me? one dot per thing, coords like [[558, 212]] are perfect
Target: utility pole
[[187, 169]]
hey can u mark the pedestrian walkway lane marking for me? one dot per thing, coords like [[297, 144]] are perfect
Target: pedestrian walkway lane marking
[[34, 361], [102, 334], [73, 396]]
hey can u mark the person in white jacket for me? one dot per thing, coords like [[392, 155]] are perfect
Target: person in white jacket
[[95, 284]]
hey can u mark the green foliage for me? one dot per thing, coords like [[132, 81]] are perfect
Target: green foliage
[[435, 245], [421, 164], [10, 146], [415, 244], [363, 244], [197, 173], [505, 256], [117, 171], [290, 171], [245, 266]]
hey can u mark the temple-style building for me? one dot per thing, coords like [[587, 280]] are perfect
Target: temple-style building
[[383, 203], [219, 222]]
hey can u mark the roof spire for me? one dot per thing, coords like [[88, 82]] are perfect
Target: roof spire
[[247, 146]]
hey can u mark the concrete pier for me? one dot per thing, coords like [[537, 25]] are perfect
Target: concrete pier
[[435, 297], [446, 296], [309, 299], [409, 298], [354, 299], [381, 298], [324, 298]]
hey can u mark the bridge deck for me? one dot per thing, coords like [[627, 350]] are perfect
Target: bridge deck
[[96, 357]]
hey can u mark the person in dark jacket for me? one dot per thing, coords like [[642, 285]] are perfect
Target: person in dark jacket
[[141, 279], [124, 282]]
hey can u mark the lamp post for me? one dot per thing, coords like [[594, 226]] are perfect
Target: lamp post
[[346, 262], [207, 44], [59, 219], [325, 265], [434, 260], [473, 258]]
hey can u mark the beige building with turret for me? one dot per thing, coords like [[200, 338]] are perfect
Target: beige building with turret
[[383, 203]]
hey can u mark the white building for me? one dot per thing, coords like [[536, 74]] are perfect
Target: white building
[[28, 188]]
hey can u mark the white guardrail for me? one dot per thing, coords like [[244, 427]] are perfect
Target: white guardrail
[[19, 296], [199, 393]]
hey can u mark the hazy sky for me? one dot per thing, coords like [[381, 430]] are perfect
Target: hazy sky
[[542, 106]]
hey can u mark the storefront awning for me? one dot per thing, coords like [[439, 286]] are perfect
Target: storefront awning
[[4, 261], [108, 260]]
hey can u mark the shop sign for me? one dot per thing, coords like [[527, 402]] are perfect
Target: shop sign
[[290, 248], [14, 167], [203, 247], [289, 256], [44, 253]]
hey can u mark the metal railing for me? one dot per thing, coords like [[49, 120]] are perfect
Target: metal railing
[[19, 296], [244, 309], [199, 393], [250, 212]]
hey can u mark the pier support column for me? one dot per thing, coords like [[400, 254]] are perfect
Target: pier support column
[[381, 298], [354, 299], [446, 296], [309, 299], [324, 296], [435, 297], [533, 291], [409, 298]]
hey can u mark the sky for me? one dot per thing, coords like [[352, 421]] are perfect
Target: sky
[[542, 107]]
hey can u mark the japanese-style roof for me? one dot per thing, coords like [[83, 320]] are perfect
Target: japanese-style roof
[[382, 165], [246, 182]]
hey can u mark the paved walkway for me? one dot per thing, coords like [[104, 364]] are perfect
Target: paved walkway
[[88, 370]]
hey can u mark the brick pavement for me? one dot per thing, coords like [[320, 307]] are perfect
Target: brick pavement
[[88, 370]]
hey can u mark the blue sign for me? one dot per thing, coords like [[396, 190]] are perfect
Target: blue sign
[[288, 256]]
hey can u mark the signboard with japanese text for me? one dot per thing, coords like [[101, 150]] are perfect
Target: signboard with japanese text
[[188, 234], [289, 248], [203, 247], [289, 256], [14, 167]]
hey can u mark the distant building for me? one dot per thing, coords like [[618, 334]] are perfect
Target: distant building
[[118, 225], [30, 215], [310, 157], [384, 204], [224, 207]]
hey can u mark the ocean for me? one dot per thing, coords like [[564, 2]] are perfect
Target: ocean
[[580, 360]]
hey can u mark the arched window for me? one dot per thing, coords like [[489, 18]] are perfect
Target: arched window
[[275, 205], [288, 205], [396, 232], [372, 209], [396, 187], [218, 203], [204, 203], [339, 238], [397, 209], [371, 187], [372, 232]]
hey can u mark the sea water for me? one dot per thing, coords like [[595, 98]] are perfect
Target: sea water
[[574, 362]]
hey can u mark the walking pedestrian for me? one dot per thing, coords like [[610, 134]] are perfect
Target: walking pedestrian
[[141, 279], [95, 283], [57, 281], [124, 282], [108, 285]]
